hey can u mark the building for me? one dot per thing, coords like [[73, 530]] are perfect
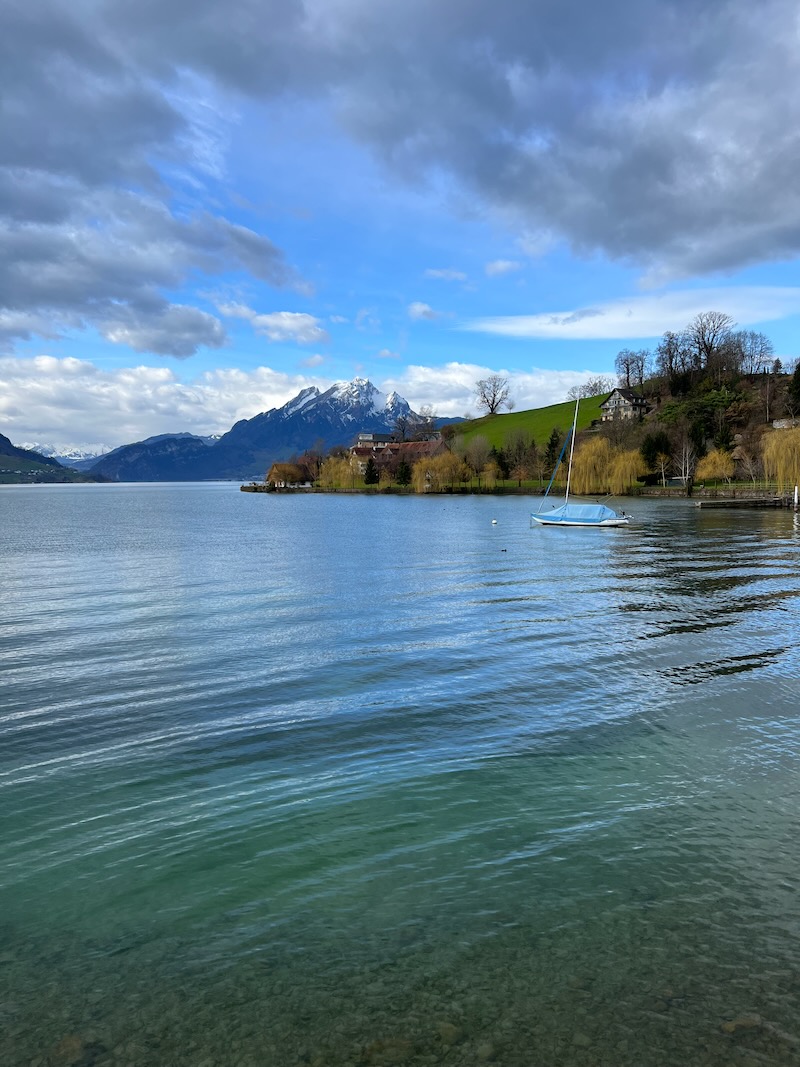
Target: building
[[290, 476], [374, 440], [388, 455], [623, 404]]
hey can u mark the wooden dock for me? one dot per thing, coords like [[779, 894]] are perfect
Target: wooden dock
[[747, 502]]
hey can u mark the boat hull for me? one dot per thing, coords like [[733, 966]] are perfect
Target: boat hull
[[543, 520]]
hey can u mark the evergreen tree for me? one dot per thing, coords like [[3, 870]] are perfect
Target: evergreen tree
[[403, 476], [371, 475], [793, 392], [500, 458], [553, 448], [654, 445]]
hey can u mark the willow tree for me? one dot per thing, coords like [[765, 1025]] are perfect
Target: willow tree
[[782, 457], [626, 469], [591, 467], [336, 471], [490, 474], [716, 466], [441, 472]]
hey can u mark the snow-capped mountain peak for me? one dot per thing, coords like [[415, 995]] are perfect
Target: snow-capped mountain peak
[[359, 393], [67, 451]]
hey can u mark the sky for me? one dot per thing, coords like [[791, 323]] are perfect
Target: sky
[[206, 207]]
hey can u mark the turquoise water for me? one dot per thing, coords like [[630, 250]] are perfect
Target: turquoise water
[[341, 781]]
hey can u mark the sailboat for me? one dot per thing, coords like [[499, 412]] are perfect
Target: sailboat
[[575, 514]]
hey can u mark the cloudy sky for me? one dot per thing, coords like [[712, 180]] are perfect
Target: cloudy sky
[[205, 207]]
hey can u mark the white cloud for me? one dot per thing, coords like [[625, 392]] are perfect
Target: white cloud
[[367, 319], [419, 311], [446, 275], [338, 319], [536, 243], [174, 330], [450, 389], [499, 267], [646, 316], [386, 353], [313, 361], [294, 326], [47, 400]]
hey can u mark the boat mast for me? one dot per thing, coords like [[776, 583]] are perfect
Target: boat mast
[[572, 448]]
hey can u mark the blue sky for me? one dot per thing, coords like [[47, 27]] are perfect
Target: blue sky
[[204, 211]]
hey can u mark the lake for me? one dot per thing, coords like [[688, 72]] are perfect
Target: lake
[[343, 781]]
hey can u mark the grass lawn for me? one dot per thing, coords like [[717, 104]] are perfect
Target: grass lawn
[[538, 422]]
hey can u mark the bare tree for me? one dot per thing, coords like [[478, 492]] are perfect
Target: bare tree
[[519, 449], [591, 387], [756, 350], [673, 354], [639, 366], [709, 335], [477, 454], [623, 365], [425, 422], [493, 393], [685, 458], [401, 426]]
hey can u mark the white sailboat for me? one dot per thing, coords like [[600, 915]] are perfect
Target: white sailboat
[[576, 514]]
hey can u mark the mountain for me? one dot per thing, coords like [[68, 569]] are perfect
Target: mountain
[[311, 419], [68, 455], [25, 465]]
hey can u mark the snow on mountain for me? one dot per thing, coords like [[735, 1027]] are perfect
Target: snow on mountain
[[65, 453], [306, 396], [310, 420]]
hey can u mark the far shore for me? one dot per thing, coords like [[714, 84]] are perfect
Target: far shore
[[734, 491]]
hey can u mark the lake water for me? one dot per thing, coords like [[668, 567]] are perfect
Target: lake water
[[345, 781]]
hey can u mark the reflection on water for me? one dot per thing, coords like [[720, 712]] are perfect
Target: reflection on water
[[321, 781]]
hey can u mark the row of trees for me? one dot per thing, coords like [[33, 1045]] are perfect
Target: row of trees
[[600, 464], [707, 346]]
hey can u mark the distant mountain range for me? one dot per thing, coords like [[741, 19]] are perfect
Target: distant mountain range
[[69, 455], [25, 465], [313, 419]]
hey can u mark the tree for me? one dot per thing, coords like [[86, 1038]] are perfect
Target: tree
[[493, 393], [672, 355], [403, 476], [491, 474], [434, 475], [709, 335], [782, 457], [626, 469], [591, 467], [520, 452], [498, 456], [685, 457], [371, 476], [756, 352], [622, 365], [715, 466], [654, 445], [402, 425], [662, 464], [477, 454], [425, 422], [591, 387], [630, 366], [552, 448], [793, 393]]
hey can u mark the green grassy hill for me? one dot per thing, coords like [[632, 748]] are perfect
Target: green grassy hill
[[538, 422]]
